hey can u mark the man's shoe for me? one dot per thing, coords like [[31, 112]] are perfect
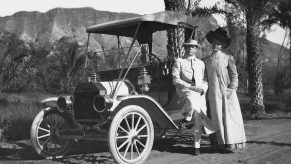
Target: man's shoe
[[196, 151]]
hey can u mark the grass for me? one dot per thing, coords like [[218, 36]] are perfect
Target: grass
[[17, 112]]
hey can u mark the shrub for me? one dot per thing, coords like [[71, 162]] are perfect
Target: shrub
[[3, 129]]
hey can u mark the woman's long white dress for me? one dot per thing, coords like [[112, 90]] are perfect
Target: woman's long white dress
[[225, 113]]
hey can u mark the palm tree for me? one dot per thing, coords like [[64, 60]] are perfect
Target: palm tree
[[253, 12], [69, 61], [282, 15], [176, 37]]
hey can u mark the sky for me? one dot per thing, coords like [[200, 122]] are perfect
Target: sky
[[9, 7]]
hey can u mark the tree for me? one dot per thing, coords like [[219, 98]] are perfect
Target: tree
[[253, 12], [282, 15], [64, 63], [14, 54], [39, 64], [176, 37]]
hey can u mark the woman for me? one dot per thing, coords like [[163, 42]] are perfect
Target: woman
[[223, 102]]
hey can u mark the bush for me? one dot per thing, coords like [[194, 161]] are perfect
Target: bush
[[3, 130]]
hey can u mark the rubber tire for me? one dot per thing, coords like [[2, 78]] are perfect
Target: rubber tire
[[113, 131], [34, 133]]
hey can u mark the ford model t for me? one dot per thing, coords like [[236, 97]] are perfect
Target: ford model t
[[127, 104]]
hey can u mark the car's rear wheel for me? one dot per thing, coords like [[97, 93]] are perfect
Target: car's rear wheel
[[44, 134], [131, 135]]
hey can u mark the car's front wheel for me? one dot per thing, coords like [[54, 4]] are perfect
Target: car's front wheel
[[131, 135], [44, 134]]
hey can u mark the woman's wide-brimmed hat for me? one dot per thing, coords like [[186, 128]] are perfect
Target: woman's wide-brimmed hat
[[191, 42], [219, 34]]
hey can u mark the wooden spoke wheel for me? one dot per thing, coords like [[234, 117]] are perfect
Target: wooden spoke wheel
[[44, 134], [131, 135]]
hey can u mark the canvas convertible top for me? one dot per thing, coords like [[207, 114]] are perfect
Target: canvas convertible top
[[150, 23]]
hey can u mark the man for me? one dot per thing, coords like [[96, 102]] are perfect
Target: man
[[191, 86]]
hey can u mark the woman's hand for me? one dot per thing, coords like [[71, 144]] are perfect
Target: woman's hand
[[197, 89], [228, 93]]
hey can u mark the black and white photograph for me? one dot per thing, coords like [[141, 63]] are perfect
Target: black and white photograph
[[145, 82]]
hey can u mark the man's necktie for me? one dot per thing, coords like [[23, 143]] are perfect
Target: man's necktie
[[192, 67]]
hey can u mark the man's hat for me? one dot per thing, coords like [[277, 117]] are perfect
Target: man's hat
[[219, 34], [191, 42]]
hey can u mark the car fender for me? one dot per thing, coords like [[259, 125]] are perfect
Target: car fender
[[155, 110], [52, 101]]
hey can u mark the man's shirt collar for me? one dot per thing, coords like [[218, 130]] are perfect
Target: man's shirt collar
[[192, 58]]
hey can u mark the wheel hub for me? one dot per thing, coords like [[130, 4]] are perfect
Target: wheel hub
[[133, 135]]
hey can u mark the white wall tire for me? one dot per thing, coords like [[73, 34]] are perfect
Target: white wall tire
[[43, 134], [131, 135]]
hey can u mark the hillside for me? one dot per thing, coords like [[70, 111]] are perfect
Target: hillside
[[41, 28], [52, 25], [271, 51], [55, 23]]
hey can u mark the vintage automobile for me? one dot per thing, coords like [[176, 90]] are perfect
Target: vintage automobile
[[121, 105]]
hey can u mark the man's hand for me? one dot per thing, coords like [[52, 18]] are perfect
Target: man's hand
[[197, 89], [228, 93]]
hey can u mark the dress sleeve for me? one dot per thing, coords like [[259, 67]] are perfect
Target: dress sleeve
[[232, 72], [177, 81]]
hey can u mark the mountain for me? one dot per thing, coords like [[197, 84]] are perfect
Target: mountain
[[52, 25], [271, 53], [55, 23]]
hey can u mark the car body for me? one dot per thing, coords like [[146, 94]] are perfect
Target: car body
[[120, 109]]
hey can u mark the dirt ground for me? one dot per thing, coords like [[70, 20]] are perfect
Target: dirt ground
[[268, 141]]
